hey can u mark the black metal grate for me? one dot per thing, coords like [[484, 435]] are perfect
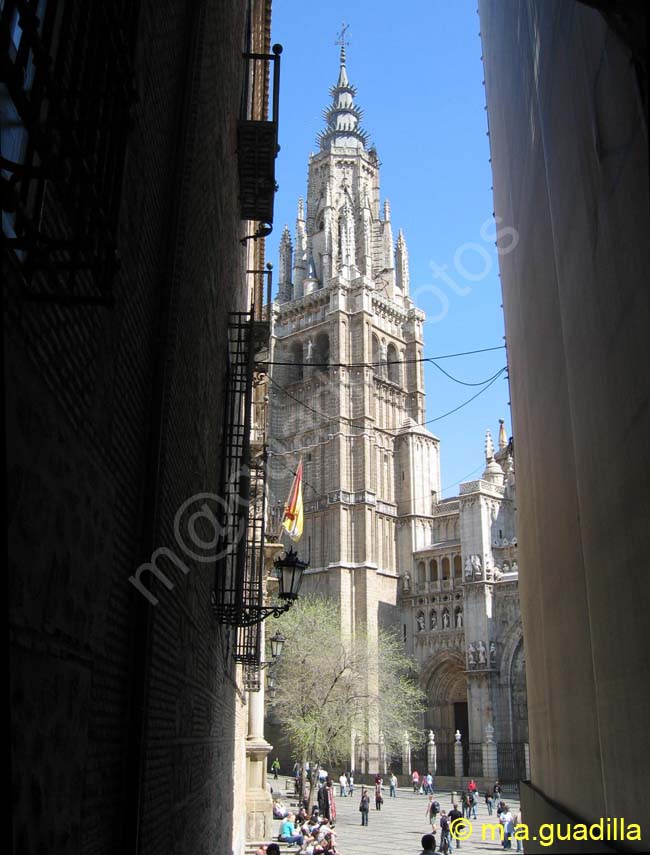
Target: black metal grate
[[67, 94], [475, 757], [445, 758], [511, 761], [239, 576]]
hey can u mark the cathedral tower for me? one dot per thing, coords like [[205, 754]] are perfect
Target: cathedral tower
[[348, 386]]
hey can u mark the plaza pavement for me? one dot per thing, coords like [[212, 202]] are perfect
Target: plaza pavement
[[398, 827]]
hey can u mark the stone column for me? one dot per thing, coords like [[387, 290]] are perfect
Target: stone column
[[432, 758], [489, 754], [259, 804], [406, 755], [458, 756]]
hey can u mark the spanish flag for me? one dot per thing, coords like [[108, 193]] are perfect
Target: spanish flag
[[293, 516]]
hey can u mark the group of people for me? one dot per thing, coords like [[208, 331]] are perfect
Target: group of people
[[314, 834], [422, 783], [443, 820]]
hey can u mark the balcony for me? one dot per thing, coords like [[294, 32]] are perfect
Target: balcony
[[257, 138]]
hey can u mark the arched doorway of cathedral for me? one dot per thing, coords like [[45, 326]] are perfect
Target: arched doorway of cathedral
[[445, 684]]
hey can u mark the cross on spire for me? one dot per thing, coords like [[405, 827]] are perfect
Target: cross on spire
[[341, 40]]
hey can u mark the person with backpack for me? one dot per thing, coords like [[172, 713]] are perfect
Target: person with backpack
[[445, 833], [432, 811]]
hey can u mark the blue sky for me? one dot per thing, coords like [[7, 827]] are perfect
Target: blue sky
[[418, 71]]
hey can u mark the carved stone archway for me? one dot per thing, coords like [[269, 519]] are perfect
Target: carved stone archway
[[445, 683]]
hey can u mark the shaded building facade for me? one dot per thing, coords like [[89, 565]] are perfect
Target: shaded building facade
[[127, 225], [566, 89]]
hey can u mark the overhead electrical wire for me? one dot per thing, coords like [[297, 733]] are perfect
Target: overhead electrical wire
[[386, 362], [487, 384]]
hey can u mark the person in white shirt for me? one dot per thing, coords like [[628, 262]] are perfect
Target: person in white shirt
[[343, 783], [393, 785], [508, 823]]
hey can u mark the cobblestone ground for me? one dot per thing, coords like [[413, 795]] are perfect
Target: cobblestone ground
[[398, 827]]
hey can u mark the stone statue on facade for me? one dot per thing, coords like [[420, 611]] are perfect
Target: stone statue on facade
[[309, 349], [482, 654], [493, 654], [407, 582], [476, 565], [420, 620], [470, 656], [445, 619], [468, 568], [459, 620], [457, 736], [434, 619]]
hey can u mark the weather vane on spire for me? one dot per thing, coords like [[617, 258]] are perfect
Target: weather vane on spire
[[341, 39]]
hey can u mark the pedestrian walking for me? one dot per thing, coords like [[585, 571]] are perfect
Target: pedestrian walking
[[508, 822], [471, 798], [432, 811], [343, 785], [415, 778], [488, 802], [445, 841], [364, 806], [454, 815], [275, 768], [379, 799], [393, 785]]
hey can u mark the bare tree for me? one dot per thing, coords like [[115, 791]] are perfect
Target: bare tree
[[323, 694]]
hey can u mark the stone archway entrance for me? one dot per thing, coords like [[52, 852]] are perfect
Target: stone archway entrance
[[445, 684], [446, 690]]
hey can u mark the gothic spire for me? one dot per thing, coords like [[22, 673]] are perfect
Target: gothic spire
[[343, 117], [503, 439]]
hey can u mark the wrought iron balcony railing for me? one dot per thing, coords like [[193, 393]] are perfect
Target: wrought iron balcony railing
[[257, 140]]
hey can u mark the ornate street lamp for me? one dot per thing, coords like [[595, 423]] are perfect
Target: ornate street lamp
[[277, 643], [289, 569]]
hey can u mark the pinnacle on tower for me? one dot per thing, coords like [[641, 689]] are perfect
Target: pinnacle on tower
[[343, 117], [503, 440], [402, 263], [489, 446]]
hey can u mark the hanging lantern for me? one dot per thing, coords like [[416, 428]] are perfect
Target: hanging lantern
[[277, 643], [289, 569]]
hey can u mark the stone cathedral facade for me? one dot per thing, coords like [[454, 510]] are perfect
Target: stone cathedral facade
[[347, 395]]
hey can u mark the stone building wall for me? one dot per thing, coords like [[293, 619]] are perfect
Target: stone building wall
[[566, 93], [89, 501]]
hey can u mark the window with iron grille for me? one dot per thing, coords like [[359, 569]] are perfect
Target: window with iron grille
[[66, 95]]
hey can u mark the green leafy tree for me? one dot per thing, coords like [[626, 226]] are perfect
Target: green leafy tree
[[329, 687]]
